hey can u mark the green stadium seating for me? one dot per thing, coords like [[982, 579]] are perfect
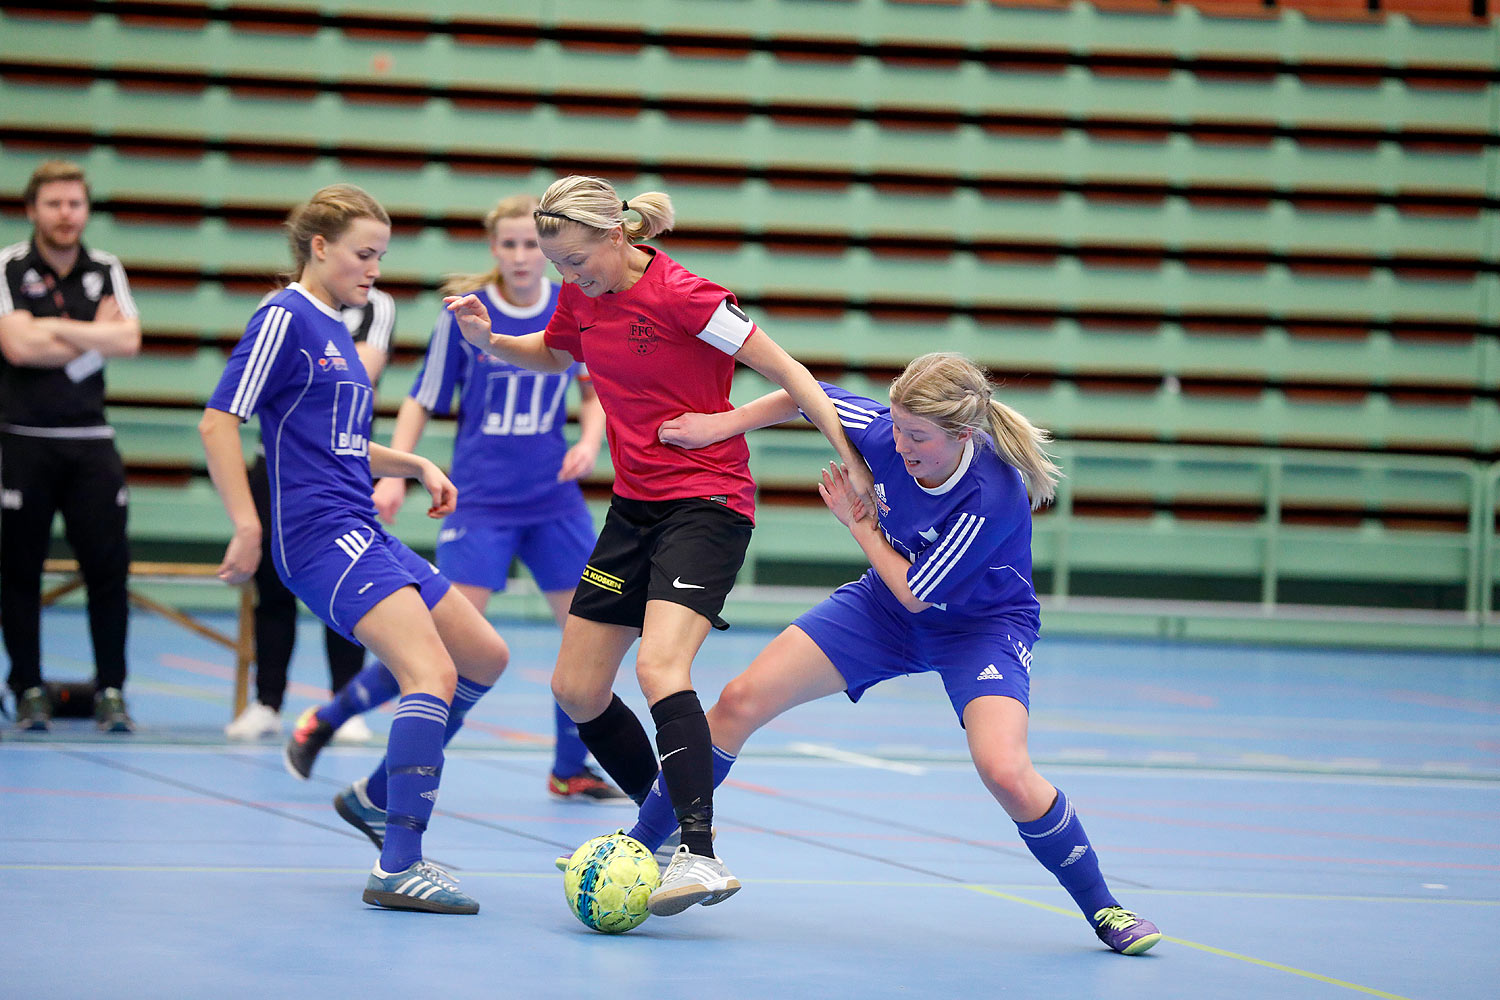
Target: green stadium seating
[[1209, 230]]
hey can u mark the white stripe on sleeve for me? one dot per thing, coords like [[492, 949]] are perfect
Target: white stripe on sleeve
[[437, 358], [945, 556], [262, 355]]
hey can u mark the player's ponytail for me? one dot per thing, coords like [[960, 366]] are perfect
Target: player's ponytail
[[593, 202], [517, 206], [328, 213], [954, 393]]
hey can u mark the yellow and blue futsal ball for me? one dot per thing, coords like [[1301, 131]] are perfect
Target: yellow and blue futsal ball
[[608, 881]]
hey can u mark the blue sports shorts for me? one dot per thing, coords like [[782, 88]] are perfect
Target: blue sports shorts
[[870, 637], [358, 566], [478, 553]]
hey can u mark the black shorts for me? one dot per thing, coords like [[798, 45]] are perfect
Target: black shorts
[[687, 552]]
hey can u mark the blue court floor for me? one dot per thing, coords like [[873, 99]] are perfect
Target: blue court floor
[[1300, 823]]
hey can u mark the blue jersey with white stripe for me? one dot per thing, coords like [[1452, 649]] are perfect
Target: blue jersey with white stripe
[[969, 540], [297, 369], [510, 445]]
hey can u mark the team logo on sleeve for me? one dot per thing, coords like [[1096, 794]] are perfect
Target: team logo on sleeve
[[93, 285], [642, 336]]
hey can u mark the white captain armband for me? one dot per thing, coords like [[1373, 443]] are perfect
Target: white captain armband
[[728, 328]]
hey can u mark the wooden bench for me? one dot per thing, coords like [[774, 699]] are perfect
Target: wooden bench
[[241, 643]]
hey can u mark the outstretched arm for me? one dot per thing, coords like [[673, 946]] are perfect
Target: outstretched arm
[[526, 351], [766, 356], [699, 430]]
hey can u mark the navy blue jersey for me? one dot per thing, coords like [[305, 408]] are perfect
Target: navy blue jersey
[[297, 369], [969, 540], [509, 445]]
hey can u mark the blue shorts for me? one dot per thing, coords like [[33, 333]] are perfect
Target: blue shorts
[[870, 638], [358, 566], [477, 553]]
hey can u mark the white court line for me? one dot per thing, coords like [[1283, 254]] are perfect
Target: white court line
[[849, 757]]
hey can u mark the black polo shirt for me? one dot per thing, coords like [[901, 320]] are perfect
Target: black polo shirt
[[71, 397]]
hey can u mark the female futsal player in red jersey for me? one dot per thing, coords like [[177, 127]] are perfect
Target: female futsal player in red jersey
[[659, 341]]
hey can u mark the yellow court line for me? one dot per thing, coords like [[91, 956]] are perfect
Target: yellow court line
[[1315, 976]]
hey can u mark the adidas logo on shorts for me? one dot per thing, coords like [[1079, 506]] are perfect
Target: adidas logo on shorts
[[989, 673]]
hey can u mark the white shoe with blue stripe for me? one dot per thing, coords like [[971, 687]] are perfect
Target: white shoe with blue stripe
[[424, 886]]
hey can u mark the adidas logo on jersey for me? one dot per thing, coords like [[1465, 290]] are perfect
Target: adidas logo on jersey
[[989, 673], [1078, 852], [331, 351]]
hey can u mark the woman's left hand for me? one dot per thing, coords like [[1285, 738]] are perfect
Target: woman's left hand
[[444, 494], [838, 492], [577, 463]]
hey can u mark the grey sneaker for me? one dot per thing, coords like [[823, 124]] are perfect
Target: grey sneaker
[[34, 710], [424, 886], [110, 714], [691, 879]]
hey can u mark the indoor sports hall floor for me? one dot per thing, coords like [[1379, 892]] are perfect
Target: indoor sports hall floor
[[1300, 823]]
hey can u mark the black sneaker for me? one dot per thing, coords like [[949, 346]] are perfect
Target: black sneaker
[[309, 736], [34, 710], [110, 714]]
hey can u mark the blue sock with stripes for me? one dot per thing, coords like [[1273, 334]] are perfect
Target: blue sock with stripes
[[1057, 840], [370, 688], [465, 694], [657, 819], [569, 754], [414, 765]]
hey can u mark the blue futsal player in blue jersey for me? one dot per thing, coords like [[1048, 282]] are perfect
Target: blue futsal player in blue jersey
[[297, 369], [518, 486], [957, 474]]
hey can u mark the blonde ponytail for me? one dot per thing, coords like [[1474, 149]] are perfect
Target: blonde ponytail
[[593, 202]]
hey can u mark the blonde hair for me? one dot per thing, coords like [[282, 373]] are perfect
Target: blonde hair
[[592, 202], [517, 206], [329, 213], [54, 170], [955, 393]]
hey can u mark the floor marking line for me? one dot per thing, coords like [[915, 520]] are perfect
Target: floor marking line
[[850, 757], [1210, 949]]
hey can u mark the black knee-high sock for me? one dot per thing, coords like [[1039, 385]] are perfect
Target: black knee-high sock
[[620, 745], [683, 740]]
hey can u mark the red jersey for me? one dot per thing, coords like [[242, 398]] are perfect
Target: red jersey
[[663, 347]]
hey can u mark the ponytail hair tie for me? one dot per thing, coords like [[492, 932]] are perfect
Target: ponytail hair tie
[[624, 206]]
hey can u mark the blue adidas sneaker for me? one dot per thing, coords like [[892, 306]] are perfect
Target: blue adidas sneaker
[[424, 886], [354, 807]]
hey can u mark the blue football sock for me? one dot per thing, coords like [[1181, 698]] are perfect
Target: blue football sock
[[465, 694], [370, 688], [1057, 840], [414, 763], [657, 818], [569, 754]]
